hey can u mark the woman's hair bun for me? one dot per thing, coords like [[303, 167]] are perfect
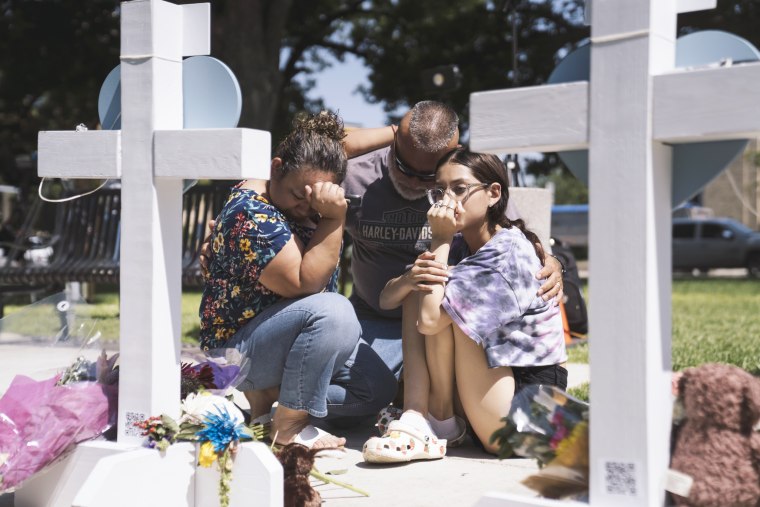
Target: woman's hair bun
[[323, 123]]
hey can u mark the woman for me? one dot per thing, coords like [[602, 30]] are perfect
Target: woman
[[482, 320], [271, 281]]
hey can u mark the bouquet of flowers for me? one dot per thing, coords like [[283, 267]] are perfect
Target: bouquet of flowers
[[211, 420], [40, 420], [218, 371], [551, 426]]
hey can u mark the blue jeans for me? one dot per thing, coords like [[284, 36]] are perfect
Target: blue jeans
[[369, 379], [299, 345]]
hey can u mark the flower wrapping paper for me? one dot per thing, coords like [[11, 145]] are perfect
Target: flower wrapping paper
[[40, 420]]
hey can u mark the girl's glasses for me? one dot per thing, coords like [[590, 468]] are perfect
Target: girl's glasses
[[460, 191]]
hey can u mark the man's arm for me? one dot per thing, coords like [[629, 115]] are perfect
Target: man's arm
[[360, 141]]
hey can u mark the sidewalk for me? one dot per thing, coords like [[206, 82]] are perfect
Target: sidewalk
[[460, 479]]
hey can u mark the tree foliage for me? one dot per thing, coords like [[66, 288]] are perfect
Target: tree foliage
[[484, 39], [740, 17], [54, 56], [275, 47]]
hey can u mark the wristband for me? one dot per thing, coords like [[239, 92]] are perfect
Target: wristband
[[562, 264]]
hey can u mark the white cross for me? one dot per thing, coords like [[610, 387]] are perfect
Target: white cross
[[634, 107], [151, 154]]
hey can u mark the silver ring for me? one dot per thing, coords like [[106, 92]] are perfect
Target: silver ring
[[451, 207], [437, 205]]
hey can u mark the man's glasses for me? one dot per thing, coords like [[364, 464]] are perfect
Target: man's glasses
[[408, 171], [460, 192]]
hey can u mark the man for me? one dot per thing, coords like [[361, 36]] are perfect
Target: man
[[389, 230]]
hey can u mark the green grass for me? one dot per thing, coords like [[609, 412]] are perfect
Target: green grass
[[714, 320], [580, 391], [41, 320]]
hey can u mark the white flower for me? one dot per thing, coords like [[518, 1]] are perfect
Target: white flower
[[197, 405]]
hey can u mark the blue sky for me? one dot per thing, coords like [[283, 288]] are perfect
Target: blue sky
[[337, 86]]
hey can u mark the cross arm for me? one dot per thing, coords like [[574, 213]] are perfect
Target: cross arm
[[70, 154], [221, 154], [707, 105], [539, 118], [695, 5]]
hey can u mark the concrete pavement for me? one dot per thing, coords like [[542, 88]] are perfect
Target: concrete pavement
[[460, 479]]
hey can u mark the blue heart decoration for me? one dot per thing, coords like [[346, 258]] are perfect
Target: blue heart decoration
[[694, 164], [210, 91]]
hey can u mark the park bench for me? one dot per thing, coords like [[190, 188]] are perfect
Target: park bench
[[86, 238]]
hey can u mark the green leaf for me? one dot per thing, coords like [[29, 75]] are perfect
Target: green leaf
[[169, 423]]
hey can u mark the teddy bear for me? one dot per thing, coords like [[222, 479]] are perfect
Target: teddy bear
[[718, 443], [297, 461]]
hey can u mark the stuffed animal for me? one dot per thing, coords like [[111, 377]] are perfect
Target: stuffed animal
[[718, 444], [297, 461]]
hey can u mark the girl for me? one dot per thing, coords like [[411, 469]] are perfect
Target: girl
[[483, 322]]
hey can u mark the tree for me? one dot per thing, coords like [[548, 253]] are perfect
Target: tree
[[479, 36], [269, 44], [740, 17], [55, 55]]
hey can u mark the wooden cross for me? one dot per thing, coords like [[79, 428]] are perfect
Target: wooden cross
[[152, 154], [634, 107]]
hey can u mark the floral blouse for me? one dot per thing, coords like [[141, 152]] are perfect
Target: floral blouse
[[249, 232]]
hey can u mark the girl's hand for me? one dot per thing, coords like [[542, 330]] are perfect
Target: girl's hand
[[426, 272], [327, 199], [442, 218]]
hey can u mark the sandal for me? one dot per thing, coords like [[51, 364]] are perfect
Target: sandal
[[309, 435], [402, 443], [392, 413]]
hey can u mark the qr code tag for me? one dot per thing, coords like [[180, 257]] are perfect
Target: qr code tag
[[678, 483], [620, 478], [130, 428]]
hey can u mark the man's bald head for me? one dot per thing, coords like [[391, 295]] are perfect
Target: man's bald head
[[430, 127]]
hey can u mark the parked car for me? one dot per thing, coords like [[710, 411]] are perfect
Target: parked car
[[704, 244], [570, 224]]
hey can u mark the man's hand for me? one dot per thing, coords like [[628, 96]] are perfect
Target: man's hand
[[206, 253], [551, 273]]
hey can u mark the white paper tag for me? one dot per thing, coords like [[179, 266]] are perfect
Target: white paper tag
[[678, 483]]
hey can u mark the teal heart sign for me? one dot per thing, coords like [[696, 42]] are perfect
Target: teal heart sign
[[210, 91], [694, 164]]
